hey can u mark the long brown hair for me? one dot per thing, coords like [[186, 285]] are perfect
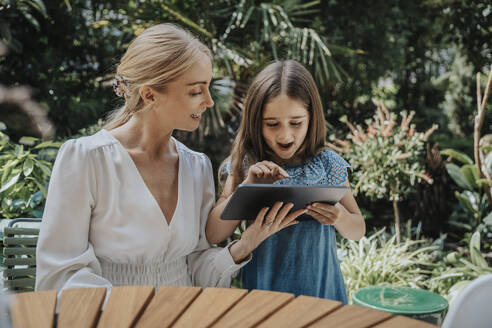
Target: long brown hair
[[159, 55], [282, 77]]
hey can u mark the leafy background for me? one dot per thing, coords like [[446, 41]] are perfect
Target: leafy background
[[409, 56]]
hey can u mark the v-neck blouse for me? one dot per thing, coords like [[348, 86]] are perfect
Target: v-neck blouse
[[103, 227], [144, 185]]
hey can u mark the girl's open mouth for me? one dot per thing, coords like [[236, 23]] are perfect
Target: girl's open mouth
[[285, 146]]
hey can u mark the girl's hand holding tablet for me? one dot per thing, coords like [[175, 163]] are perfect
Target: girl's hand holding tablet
[[325, 213]]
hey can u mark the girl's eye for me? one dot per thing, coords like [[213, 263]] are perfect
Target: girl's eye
[[271, 124], [296, 123], [196, 93]]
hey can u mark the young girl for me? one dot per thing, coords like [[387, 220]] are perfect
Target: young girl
[[281, 140]]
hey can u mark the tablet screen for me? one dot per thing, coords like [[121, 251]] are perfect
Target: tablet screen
[[249, 199]]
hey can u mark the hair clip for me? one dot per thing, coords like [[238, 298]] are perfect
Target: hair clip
[[118, 89]]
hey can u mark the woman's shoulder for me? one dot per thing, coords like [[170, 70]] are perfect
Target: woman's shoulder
[[192, 156], [88, 144]]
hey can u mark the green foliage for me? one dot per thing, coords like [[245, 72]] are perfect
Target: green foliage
[[475, 206], [468, 24], [378, 260], [458, 105], [386, 158], [25, 169], [22, 10], [67, 71], [264, 25], [458, 269]]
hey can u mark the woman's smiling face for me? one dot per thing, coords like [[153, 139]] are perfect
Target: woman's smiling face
[[184, 100], [285, 126]]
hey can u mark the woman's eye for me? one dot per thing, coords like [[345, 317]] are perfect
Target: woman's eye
[[196, 93], [296, 123], [271, 124]]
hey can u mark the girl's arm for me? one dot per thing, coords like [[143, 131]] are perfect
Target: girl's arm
[[345, 216], [218, 230]]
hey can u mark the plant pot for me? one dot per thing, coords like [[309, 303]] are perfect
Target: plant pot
[[411, 302]]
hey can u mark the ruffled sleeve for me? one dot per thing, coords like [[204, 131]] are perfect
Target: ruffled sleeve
[[210, 266], [335, 168], [227, 168], [64, 256]]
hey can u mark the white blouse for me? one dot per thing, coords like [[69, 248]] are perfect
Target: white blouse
[[103, 227]]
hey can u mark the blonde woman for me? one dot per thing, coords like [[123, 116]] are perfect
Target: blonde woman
[[128, 205]]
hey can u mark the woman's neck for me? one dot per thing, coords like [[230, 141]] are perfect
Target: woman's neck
[[142, 135]]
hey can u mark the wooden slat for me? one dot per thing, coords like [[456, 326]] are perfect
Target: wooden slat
[[125, 305], [21, 282], [27, 241], [352, 316], [9, 231], [79, 307], [209, 307], [404, 322], [253, 309], [18, 272], [33, 309], [11, 261], [301, 312], [19, 251], [167, 305]]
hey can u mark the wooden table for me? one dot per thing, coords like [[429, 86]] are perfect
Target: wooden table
[[141, 306]]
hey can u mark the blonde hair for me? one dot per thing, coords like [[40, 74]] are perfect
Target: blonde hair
[[282, 77], [156, 57]]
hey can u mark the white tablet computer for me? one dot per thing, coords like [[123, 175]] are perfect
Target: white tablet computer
[[249, 199]]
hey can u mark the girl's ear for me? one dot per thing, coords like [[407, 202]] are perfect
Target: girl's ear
[[147, 94]]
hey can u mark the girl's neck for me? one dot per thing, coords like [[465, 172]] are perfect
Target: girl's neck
[[290, 161]]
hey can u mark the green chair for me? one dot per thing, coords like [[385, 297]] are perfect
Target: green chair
[[19, 256]]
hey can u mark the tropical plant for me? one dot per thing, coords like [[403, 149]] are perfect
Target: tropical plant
[[474, 176], [378, 260], [386, 157], [25, 169], [274, 29], [475, 206], [458, 269]]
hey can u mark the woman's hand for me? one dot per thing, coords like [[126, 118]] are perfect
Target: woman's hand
[[263, 227], [265, 172], [326, 214]]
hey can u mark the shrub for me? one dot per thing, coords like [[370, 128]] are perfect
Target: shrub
[[386, 157]]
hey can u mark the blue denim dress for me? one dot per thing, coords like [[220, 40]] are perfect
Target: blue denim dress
[[302, 259]]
